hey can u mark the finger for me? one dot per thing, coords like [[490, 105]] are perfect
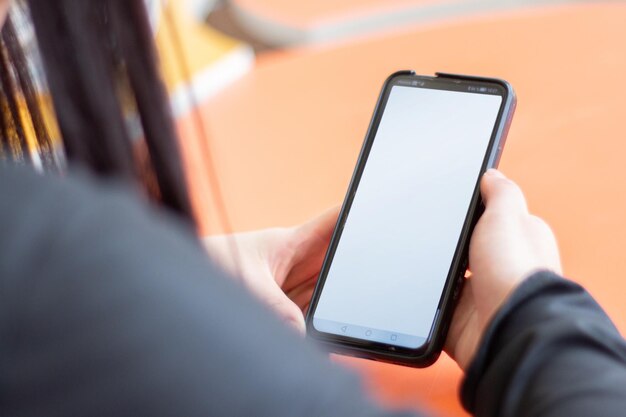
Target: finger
[[286, 309], [303, 299], [462, 332], [501, 194], [303, 286], [310, 242], [322, 226], [302, 295], [308, 268], [304, 273]]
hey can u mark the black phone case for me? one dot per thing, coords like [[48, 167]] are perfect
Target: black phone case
[[427, 355]]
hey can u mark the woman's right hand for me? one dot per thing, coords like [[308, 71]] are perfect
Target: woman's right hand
[[507, 246]]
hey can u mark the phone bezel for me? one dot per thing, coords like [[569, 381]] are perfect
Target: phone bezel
[[429, 352]]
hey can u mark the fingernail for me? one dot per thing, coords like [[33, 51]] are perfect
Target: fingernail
[[494, 173]]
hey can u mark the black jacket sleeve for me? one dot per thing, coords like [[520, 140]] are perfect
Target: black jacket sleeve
[[551, 351], [110, 308]]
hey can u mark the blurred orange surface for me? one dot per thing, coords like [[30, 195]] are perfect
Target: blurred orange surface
[[286, 137]]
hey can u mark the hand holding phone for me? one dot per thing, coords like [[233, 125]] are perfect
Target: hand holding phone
[[507, 246], [398, 255]]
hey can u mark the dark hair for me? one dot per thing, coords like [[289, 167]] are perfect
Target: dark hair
[[100, 64]]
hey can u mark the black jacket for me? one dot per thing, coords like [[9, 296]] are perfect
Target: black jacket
[[111, 308]]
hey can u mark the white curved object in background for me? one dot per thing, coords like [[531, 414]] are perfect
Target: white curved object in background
[[301, 22]]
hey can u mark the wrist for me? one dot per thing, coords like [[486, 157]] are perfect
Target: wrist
[[490, 342]]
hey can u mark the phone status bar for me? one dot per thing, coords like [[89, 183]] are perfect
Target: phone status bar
[[444, 84]]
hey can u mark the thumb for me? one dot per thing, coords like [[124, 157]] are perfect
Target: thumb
[[313, 237], [322, 226], [501, 194]]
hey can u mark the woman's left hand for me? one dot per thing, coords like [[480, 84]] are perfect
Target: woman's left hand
[[279, 266]]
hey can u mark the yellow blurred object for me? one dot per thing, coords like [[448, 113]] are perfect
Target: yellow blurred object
[[212, 59]]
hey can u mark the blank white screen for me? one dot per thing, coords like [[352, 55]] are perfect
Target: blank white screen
[[399, 239]]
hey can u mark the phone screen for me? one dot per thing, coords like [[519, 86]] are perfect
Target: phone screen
[[398, 241]]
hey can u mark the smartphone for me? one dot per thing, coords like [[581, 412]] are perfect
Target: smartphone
[[399, 252]]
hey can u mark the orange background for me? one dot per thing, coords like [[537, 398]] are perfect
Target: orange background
[[285, 139]]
